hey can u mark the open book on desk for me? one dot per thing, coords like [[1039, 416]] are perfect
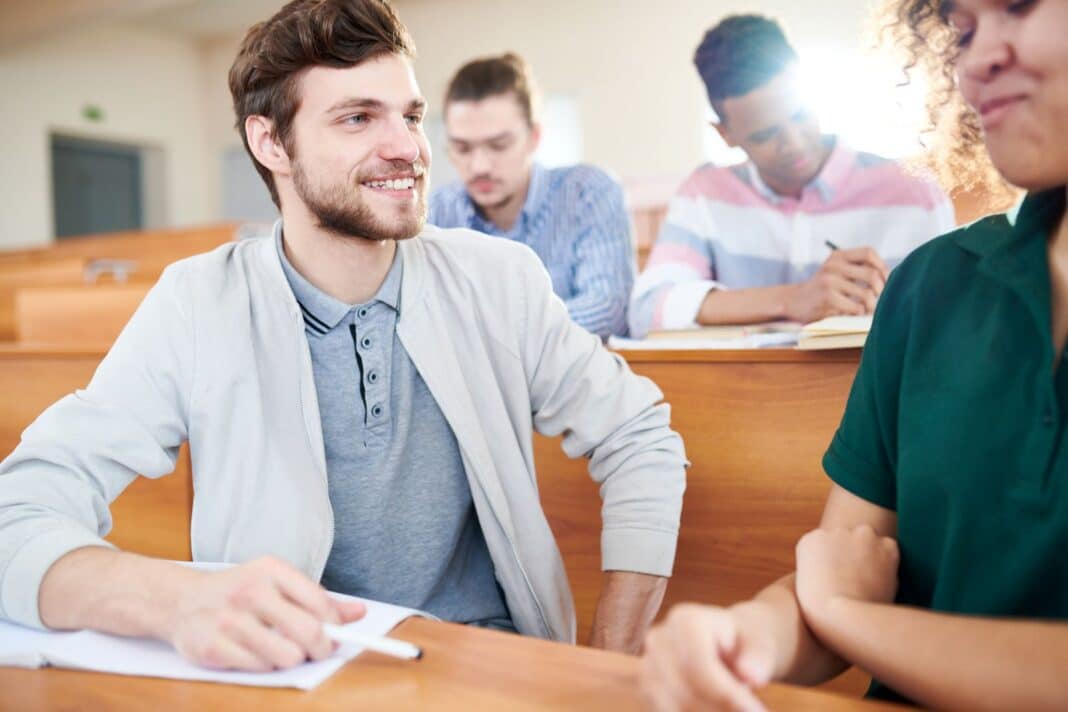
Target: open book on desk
[[776, 334], [99, 652], [836, 332]]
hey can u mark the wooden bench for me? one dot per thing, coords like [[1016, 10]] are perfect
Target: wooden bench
[[66, 270], [150, 517], [79, 315], [129, 245], [141, 257]]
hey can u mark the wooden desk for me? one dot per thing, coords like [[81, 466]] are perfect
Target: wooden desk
[[462, 669], [755, 425]]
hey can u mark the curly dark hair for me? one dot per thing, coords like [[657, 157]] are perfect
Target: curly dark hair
[[919, 32]]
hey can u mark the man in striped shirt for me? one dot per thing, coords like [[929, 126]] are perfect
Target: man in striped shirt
[[805, 229], [573, 218]]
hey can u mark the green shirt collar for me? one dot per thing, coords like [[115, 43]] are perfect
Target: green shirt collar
[[1013, 252], [1036, 215]]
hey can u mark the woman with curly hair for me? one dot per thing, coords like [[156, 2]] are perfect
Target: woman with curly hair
[[941, 561]]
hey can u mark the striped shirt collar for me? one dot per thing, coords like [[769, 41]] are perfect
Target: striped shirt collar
[[825, 183], [321, 311]]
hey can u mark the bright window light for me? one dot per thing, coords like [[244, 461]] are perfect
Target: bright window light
[[857, 96]]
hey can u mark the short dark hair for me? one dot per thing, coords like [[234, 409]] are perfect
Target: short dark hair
[[740, 54], [264, 79], [491, 76]]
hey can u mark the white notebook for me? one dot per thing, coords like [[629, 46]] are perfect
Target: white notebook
[[88, 650]]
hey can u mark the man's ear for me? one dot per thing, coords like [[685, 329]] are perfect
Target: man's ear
[[265, 146], [535, 136], [725, 134]]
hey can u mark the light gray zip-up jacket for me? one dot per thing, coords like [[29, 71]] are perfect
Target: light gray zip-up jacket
[[216, 355]]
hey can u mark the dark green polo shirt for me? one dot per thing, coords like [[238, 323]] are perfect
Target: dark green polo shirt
[[957, 421]]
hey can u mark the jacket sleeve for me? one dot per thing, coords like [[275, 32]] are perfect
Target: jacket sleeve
[[82, 452], [611, 416]]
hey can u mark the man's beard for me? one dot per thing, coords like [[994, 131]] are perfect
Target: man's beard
[[339, 209]]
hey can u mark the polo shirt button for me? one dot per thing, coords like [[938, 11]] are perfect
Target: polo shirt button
[[376, 411], [366, 342], [372, 377], [1047, 419], [362, 313]]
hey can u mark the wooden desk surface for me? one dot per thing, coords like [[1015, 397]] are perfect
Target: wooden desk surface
[[462, 669]]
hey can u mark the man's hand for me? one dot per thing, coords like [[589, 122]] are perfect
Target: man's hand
[[704, 657], [849, 282], [855, 564], [628, 604], [263, 615]]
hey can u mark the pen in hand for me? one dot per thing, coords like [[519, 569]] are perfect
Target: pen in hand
[[379, 644]]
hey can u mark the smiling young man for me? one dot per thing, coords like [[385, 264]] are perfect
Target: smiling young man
[[749, 243], [359, 393], [572, 217]]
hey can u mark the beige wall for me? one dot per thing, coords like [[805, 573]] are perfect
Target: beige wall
[[627, 63], [151, 91]]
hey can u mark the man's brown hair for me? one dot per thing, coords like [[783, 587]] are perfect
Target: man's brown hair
[[265, 76], [492, 76]]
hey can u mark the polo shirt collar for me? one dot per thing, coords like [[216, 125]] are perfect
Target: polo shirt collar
[[1036, 213], [1014, 252], [826, 182], [323, 312]]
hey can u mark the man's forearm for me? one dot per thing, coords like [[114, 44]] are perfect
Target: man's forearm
[[950, 661], [113, 592], [628, 604], [744, 306]]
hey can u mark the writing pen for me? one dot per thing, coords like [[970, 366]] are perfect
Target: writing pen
[[377, 643]]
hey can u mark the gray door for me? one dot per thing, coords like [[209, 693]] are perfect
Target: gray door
[[96, 187]]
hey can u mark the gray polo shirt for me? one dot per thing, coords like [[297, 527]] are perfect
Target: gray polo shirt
[[405, 528]]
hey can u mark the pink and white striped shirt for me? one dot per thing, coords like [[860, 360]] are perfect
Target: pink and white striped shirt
[[726, 229]]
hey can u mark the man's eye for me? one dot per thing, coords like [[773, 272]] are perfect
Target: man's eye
[[415, 119], [356, 119]]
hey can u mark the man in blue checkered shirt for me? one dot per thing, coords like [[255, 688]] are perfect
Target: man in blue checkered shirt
[[573, 218]]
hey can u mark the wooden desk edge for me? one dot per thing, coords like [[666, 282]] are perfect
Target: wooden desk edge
[[739, 356], [19, 350], [13, 350]]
